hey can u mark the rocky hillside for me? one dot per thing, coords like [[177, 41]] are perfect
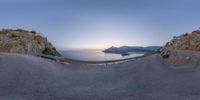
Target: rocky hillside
[[187, 41], [25, 42]]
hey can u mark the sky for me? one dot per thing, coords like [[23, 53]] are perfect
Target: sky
[[99, 24]]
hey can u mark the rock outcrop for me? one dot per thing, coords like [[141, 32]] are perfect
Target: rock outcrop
[[175, 51], [187, 41], [25, 42]]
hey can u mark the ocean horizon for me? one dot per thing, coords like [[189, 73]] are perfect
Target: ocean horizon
[[96, 55]]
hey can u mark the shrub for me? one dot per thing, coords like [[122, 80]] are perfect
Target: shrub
[[20, 30], [13, 35], [3, 32], [51, 51], [33, 31], [186, 34]]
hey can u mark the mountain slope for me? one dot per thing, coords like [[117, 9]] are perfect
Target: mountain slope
[[187, 41], [25, 42]]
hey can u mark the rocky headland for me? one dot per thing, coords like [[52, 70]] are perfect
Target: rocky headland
[[187, 41], [25, 42]]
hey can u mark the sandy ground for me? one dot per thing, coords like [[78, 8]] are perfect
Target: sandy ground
[[151, 78]]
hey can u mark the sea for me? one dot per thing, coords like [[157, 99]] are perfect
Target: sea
[[96, 55]]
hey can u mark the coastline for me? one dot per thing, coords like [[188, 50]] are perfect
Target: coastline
[[75, 61]]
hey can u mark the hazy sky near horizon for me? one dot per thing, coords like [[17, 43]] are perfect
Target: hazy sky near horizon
[[97, 24]]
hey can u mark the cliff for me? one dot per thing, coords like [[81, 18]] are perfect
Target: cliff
[[176, 51], [187, 41], [25, 42]]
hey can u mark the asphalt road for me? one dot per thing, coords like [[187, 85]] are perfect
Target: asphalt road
[[25, 77]]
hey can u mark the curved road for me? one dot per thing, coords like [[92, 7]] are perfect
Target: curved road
[[31, 78]]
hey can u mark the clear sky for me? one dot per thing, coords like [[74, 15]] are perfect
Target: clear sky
[[97, 24]]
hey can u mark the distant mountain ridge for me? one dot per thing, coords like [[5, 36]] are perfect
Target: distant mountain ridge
[[124, 50]]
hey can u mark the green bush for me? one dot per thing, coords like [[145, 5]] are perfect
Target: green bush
[[21, 30], [51, 51], [4, 31], [33, 31], [13, 35]]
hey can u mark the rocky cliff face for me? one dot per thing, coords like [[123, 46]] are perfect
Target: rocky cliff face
[[25, 42], [187, 41]]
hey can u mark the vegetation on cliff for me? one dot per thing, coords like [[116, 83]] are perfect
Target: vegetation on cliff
[[51, 51]]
